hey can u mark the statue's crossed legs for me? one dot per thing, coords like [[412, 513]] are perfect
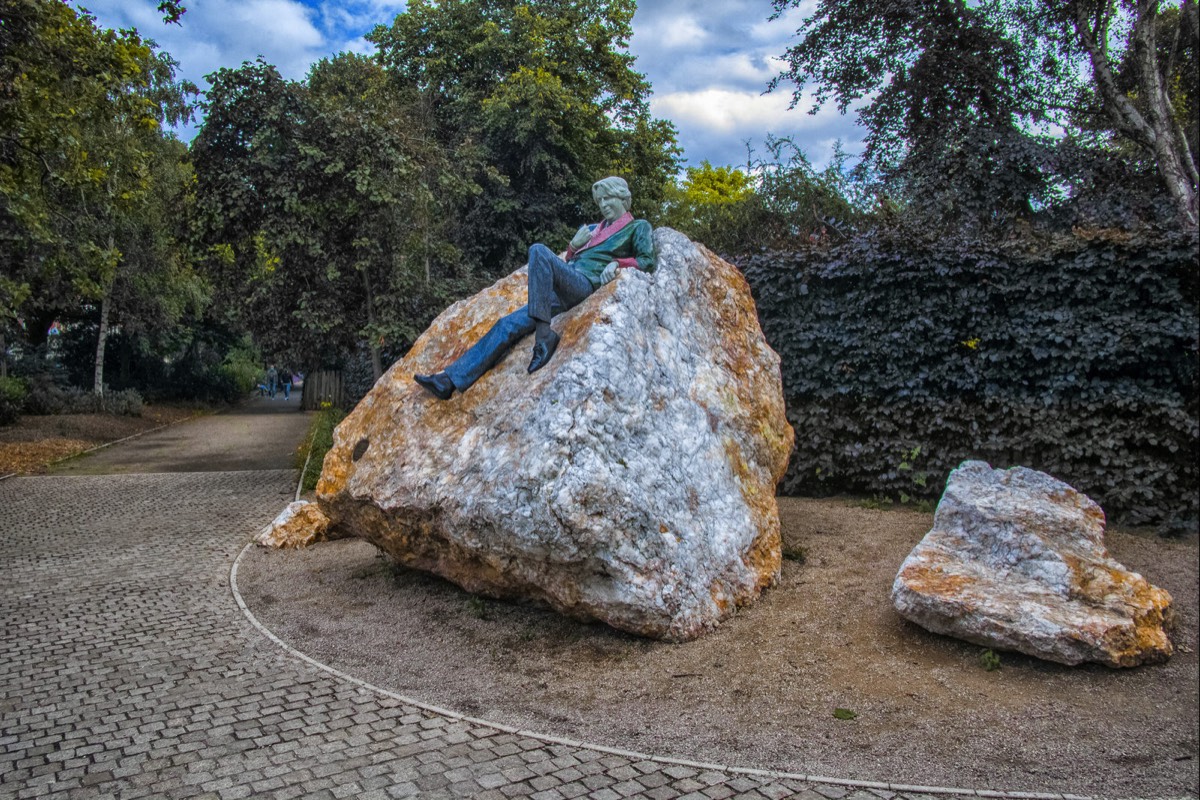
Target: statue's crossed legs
[[554, 287]]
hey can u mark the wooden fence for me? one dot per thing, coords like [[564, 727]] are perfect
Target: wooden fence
[[322, 386]]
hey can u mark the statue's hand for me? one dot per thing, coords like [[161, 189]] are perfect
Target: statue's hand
[[581, 237], [609, 273]]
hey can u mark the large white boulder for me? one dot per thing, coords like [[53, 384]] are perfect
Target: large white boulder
[[631, 480], [1016, 561]]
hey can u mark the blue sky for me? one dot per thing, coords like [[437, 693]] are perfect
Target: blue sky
[[708, 61]]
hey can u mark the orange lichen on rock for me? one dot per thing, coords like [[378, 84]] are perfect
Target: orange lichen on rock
[[299, 524]]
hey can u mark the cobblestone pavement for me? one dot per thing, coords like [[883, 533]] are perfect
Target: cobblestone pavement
[[128, 671]]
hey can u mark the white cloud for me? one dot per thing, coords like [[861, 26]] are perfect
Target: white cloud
[[721, 109], [341, 17], [224, 33], [719, 125], [360, 46], [785, 26], [728, 111], [674, 33]]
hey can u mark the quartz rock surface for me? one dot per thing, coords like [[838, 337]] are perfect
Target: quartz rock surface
[[631, 480], [1016, 561], [299, 524]]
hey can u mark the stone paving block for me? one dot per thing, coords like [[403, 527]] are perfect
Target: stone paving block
[[832, 792], [517, 789], [572, 790]]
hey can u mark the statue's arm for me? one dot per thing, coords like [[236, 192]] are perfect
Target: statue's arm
[[642, 241]]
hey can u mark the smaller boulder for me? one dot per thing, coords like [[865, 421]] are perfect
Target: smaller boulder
[[300, 524], [1016, 561]]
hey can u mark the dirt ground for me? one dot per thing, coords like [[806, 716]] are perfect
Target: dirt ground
[[35, 442], [761, 690]]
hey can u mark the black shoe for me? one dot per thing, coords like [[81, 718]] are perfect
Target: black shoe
[[542, 351], [438, 384]]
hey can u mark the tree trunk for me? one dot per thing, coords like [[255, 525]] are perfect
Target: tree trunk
[[102, 339], [1157, 135], [98, 380], [1166, 144], [428, 269]]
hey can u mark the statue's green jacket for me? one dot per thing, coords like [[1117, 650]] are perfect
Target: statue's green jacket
[[627, 241]]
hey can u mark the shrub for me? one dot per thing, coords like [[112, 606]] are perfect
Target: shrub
[[12, 399], [242, 366], [127, 403], [46, 396], [1077, 357]]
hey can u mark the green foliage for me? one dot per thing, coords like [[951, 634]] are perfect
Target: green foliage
[[965, 105], [46, 397], [781, 200], [844, 714], [989, 660], [1075, 356], [92, 192], [477, 606], [325, 208], [715, 206], [242, 365], [317, 444], [13, 392], [546, 96]]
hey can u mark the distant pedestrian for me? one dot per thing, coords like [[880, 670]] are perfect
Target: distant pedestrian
[[285, 382], [272, 380]]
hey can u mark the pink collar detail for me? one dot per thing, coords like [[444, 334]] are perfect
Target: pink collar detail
[[606, 229]]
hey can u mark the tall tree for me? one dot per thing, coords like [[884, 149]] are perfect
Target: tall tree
[[548, 92], [953, 93], [83, 160], [1141, 55], [326, 208]]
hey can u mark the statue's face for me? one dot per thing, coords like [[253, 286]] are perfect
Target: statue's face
[[611, 207]]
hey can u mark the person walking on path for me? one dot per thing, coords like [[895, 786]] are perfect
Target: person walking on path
[[272, 380]]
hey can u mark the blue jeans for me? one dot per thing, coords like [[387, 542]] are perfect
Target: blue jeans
[[554, 287]]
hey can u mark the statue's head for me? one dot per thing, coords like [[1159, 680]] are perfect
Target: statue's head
[[612, 187]]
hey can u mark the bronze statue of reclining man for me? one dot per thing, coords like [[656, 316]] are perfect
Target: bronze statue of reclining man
[[557, 283]]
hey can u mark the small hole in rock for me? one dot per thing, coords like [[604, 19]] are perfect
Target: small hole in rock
[[361, 448]]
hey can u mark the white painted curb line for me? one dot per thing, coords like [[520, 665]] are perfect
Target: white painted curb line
[[549, 739]]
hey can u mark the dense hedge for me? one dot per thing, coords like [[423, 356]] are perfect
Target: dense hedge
[[1077, 357]]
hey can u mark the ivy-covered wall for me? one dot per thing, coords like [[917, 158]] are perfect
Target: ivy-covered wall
[[1077, 358]]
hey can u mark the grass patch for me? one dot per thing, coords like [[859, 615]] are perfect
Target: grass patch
[[477, 607], [316, 444], [989, 660]]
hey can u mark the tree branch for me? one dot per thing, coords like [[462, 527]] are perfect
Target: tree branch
[[1123, 113]]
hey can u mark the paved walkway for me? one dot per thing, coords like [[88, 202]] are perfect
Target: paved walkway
[[127, 669]]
